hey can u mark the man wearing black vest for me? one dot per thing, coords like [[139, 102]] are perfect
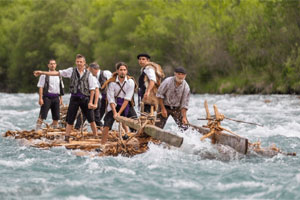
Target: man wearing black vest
[[82, 89], [50, 91], [144, 92], [102, 76], [149, 81]]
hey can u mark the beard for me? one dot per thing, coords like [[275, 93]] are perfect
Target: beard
[[178, 80], [122, 75]]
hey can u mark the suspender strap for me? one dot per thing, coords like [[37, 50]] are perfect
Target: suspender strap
[[182, 94], [121, 89]]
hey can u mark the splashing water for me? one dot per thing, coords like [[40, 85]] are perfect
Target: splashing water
[[197, 170]]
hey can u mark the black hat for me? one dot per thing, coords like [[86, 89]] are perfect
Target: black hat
[[180, 70], [94, 65], [143, 55]]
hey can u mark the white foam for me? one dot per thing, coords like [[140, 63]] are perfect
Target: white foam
[[298, 178], [16, 164], [187, 184], [245, 184], [80, 197]]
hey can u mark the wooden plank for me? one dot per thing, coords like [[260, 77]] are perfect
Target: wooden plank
[[153, 131], [240, 144]]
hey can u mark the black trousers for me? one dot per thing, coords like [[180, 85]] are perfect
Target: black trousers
[[97, 115], [75, 103], [50, 103], [175, 113], [147, 108], [102, 108], [109, 117]]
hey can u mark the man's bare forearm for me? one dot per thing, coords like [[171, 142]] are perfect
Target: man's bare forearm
[[161, 103], [92, 94], [150, 86], [41, 92], [96, 96], [183, 112], [52, 73], [113, 108], [125, 103]]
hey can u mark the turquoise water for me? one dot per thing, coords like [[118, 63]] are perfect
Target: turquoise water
[[197, 170]]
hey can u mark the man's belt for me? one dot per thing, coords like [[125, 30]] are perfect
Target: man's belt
[[172, 107]]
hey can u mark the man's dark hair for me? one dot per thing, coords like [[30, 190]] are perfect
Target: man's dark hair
[[119, 64], [143, 55], [80, 56], [94, 65], [51, 60]]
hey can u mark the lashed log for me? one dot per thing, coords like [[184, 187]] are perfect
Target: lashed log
[[153, 131], [240, 144]]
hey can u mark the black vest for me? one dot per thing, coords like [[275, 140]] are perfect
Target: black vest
[[102, 80], [78, 84], [46, 86], [142, 86]]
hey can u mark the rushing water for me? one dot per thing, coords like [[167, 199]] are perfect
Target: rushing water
[[197, 170]]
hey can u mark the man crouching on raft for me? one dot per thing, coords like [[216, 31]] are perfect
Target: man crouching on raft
[[120, 89], [82, 88], [174, 95]]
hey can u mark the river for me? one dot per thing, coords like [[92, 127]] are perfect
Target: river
[[197, 170]]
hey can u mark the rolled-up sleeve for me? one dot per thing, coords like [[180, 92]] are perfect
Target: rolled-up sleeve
[[162, 89], [107, 74], [41, 82], [92, 82], [66, 73], [110, 93], [186, 97], [129, 90], [150, 72]]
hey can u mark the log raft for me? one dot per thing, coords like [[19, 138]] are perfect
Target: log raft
[[153, 131], [138, 142]]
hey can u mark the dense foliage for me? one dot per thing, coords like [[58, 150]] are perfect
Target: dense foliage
[[247, 46]]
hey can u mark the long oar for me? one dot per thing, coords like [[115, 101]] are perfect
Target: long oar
[[240, 121]]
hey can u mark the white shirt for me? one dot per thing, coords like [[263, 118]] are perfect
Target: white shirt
[[113, 89], [107, 74], [53, 84], [150, 72], [67, 73]]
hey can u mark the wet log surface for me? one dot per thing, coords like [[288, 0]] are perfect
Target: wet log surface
[[86, 141]]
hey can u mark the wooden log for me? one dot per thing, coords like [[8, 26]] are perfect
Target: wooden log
[[153, 131], [240, 144]]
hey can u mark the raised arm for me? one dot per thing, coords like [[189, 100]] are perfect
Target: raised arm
[[52, 73]]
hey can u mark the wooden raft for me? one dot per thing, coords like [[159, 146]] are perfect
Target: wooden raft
[[214, 131], [86, 141], [138, 142]]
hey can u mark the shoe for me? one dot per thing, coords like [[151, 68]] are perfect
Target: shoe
[[125, 137], [99, 150]]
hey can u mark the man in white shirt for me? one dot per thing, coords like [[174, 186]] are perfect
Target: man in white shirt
[[149, 81], [50, 91], [120, 89], [82, 88]]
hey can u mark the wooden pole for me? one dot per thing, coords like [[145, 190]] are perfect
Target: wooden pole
[[153, 131], [240, 144]]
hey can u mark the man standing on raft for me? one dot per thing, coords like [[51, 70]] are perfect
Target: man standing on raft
[[82, 88]]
